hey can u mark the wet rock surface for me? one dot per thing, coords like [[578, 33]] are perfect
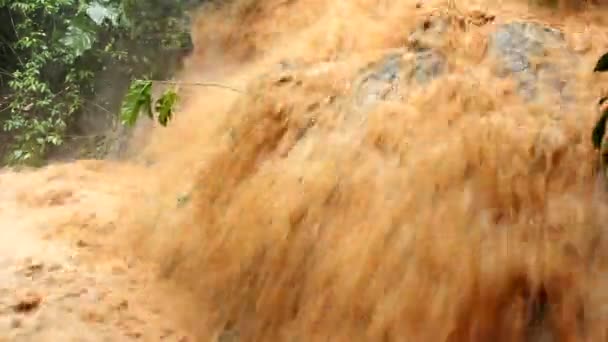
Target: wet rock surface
[[380, 81], [524, 50], [428, 65], [536, 55], [384, 78]]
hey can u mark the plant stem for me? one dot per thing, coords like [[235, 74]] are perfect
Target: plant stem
[[200, 84]]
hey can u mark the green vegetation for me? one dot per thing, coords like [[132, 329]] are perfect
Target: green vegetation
[[54, 52], [599, 130], [139, 98], [602, 64]]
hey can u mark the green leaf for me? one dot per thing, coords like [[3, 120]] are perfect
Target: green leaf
[[99, 12], [602, 64], [139, 96], [164, 106], [79, 39], [598, 131]]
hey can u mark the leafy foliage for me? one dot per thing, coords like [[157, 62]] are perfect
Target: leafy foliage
[[164, 106], [100, 12], [139, 98], [602, 64], [599, 130], [53, 51]]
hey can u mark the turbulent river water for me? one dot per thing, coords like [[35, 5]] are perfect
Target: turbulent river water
[[389, 170]]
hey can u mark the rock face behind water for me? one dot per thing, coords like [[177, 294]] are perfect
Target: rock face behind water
[[380, 82], [384, 78], [536, 56], [518, 44], [427, 65]]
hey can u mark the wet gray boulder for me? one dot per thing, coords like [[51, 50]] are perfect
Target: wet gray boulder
[[384, 78], [428, 65], [380, 81], [521, 48]]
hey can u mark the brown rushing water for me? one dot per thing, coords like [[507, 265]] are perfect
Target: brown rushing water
[[453, 211]]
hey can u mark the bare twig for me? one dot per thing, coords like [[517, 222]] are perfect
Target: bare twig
[[99, 106], [10, 47], [16, 35], [13, 24], [6, 73], [199, 84], [85, 136]]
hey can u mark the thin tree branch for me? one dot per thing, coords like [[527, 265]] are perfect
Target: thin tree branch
[[200, 84], [10, 46], [13, 24], [99, 106]]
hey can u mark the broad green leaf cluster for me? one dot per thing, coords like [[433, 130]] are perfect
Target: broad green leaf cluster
[[139, 99]]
